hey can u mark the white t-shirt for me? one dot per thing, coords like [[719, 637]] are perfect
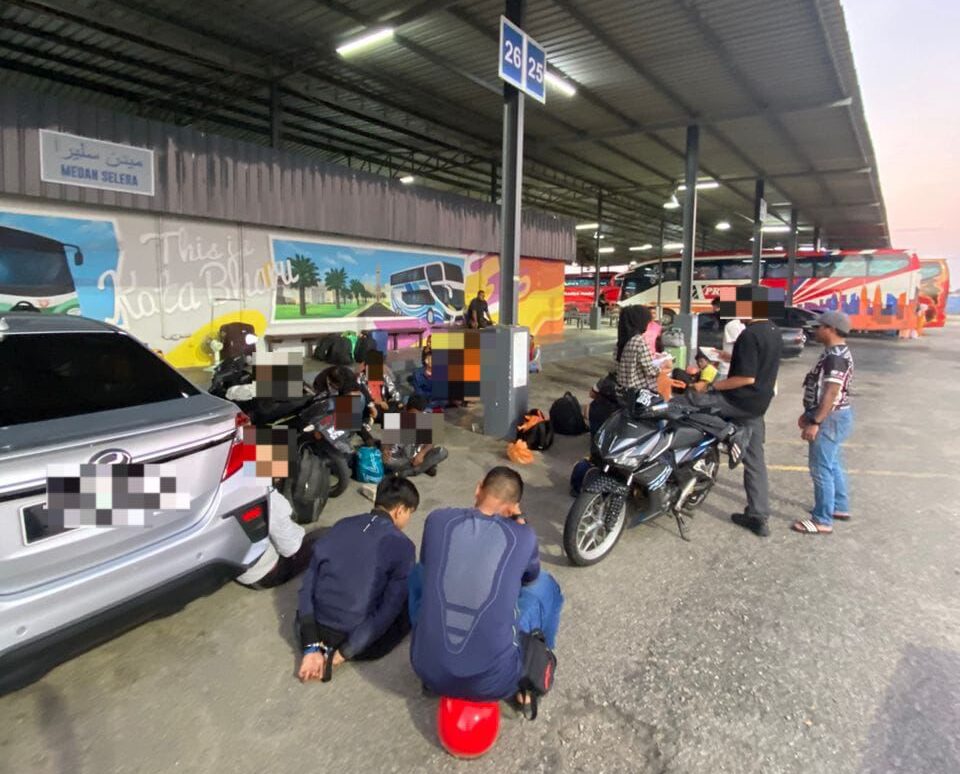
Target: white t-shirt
[[731, 332], [286, 536]]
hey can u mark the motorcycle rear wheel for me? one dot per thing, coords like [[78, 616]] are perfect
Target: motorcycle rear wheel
[[586, 539], [309, 488], [340, 472]]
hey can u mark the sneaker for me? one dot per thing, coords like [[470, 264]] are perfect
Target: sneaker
[[756, 526], [432, 472]]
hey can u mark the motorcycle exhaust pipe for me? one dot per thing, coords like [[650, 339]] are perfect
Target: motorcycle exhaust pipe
[[685, 493]]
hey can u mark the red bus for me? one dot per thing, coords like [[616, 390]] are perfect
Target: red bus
[[578, 288], [878, 289], [934, 289]]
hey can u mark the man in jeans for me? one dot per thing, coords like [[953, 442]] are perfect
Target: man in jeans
[[826, 423], [478, 593], [745, 394]]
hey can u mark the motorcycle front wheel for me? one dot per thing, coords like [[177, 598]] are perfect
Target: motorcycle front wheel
[[586, 538]]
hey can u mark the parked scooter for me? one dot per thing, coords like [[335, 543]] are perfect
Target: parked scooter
[[650, 458]]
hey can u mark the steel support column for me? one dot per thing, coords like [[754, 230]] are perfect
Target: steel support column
[[276, 115], [595, 309], [663, 226], [791, 255], [493, 182], [758, 213], [512, 188], [689, 217], [816, 238]]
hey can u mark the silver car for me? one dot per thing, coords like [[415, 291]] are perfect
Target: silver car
[[74, 391]]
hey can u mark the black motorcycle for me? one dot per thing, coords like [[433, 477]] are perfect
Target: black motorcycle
[[649, 458]]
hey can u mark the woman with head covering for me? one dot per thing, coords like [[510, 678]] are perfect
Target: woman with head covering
[[635, 366]]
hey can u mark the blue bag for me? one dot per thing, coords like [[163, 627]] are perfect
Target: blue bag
[[578, 476], [380, 340], [369, 465]]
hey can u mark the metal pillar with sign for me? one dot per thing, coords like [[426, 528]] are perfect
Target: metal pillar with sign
[[522, 67], [595, 311]]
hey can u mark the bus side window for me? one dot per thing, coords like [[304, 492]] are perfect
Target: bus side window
[[706, 270], [736, 270], [879, 266]]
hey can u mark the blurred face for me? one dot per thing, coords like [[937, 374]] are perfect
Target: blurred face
[[428, 364], [481, 295], [702, 362], [822, 333], [401, 516]]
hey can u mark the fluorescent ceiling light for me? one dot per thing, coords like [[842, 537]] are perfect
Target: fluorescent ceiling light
[[702, 185], [365, 41], [673, 246], [587, 226], [671, 203], [723, 225], [776, 229], [607, 249], [407, 179], [640, 248], [560, 85]]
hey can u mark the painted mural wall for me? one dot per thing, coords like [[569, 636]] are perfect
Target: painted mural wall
[[174, 281]]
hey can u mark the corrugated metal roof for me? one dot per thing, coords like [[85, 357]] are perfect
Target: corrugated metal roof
[[760, 77]]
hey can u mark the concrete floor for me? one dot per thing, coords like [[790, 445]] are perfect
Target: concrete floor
[[726, 654]]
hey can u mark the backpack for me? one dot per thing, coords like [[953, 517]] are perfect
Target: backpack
[[539, 668], [379, 340], [322, 350], [364, 345], [341, 351], [369, 468], [566, 416], [536, 431]]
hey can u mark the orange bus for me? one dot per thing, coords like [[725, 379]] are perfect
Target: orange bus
[[934, 289]]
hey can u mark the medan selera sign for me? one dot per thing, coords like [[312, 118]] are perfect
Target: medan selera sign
[[89, 163]]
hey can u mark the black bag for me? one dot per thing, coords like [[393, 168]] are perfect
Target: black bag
[[566, 416], [340, 351], [540, 436], [599, 412], [322, 350], [607, 387], [539, 668]]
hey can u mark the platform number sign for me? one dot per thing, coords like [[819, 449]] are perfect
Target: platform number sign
[[523, 61]]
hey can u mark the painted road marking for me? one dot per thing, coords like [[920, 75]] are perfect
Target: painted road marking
[[854, 472], [846, 445]]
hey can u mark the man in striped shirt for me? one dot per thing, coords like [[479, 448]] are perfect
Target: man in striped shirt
[[827, 422]]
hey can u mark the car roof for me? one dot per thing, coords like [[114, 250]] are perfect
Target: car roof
[[38, 322]]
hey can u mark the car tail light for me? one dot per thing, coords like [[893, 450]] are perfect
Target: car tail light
[[237, 454], [254, 519]]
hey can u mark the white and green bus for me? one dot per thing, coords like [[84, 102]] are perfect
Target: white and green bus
[[36, 269]]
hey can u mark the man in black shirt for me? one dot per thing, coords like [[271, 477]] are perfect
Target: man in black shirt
[[478, 314], [744, 397]]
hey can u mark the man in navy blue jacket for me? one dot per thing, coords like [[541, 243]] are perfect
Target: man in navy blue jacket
[[353, 602], [477, 590]]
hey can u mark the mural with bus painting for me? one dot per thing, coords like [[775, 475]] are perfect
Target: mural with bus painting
[[173, 281], [340, 279]]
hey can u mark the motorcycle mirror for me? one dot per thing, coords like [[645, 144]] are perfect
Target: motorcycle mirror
[[250, 339]]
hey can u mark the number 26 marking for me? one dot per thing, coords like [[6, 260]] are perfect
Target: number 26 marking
[[512, 55]]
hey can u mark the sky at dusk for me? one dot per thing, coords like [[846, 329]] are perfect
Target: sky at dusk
[[907, 54]]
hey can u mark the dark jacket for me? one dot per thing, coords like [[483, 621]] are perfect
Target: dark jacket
[[357, 581]]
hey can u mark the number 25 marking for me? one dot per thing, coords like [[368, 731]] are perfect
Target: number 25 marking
[[534, 69]]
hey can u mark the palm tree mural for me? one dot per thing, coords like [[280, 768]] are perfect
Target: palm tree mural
[[359, 291], [307, 277], [336, 280]]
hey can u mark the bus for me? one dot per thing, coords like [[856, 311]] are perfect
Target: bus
[[431, 292], [36, 269], [878, 289], [578, 288], [934, 289]]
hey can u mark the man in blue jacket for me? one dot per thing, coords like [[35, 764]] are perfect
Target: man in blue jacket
[[477, 590], [353, 602]]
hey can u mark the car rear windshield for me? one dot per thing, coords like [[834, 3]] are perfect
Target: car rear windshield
[[58, 375]]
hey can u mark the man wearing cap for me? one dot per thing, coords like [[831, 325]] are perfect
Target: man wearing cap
[[826, 423]]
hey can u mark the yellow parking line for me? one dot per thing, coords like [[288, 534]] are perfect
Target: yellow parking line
[[770, 441], [901, 473]]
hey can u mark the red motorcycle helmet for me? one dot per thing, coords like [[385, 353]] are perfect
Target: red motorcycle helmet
[[467, 729]]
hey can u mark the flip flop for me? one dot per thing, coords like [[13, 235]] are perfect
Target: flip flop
[[810, 527]]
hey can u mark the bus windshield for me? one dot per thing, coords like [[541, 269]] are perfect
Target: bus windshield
[[34, 271]]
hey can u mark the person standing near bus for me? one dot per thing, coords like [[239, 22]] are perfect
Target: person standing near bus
[[478, 313], [827, 422]]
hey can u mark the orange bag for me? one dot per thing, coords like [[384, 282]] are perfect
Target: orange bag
[[519, 453]]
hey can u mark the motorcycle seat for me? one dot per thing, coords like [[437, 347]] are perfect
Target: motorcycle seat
[[686, 436]]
